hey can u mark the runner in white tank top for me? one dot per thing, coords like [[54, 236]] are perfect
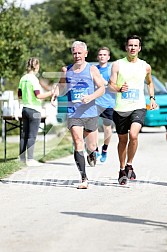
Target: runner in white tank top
[[127, 79]]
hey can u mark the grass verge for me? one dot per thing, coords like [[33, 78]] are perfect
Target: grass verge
[[59, 145]]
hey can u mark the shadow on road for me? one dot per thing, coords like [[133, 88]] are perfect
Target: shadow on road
[[58, 182], [44, 182], [72, 183], [118, 218], [59, 163], [149, 182]]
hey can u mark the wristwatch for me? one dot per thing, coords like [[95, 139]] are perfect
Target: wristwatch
[[152, 97]]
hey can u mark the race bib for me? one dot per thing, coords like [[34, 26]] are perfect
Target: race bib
[[131, 94], [78, 90], [77, 94]]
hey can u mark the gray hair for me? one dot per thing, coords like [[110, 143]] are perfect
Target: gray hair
[[79, 43]]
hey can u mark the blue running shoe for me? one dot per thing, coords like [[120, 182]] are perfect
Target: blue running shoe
[[103, 156], [97, 154]]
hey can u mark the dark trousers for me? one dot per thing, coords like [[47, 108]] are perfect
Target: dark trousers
[[31, 121]]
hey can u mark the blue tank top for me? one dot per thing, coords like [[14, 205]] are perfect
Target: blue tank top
[[79, 84], [107, 100]]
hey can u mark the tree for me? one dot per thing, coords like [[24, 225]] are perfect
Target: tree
[[25, 34], [107, 23]]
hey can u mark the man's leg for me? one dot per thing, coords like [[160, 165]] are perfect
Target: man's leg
[[91, 144], [77, 136], [122, 152], [100, 110], [133, 141], [97, 148], [107, 117], [107, 134], [107, 138], [122, 149], [132, 148]]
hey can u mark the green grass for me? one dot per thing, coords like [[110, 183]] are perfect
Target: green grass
[[9, 167], [59, 146]]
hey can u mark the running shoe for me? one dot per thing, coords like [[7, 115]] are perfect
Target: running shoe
[[103, 156], [83, 185], [130, 172], [122, 177], [97, 154], [32, 162], [92, 159], [22, 161]]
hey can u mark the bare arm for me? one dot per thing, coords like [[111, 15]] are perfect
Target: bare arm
[[99, 81], [150, 86], [44, 85], [37, 94], [62, 82], [60, 87], [44, 95], [113, 87]]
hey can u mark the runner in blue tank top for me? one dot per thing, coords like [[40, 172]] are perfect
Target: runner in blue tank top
[[78, 81], [106, 102]]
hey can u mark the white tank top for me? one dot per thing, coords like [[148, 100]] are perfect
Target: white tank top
[[134, 75]]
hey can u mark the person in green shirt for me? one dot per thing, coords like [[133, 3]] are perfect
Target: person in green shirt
[[30, 93]]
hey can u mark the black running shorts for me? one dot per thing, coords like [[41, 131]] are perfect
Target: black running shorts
[[106, 114], [123, 120]]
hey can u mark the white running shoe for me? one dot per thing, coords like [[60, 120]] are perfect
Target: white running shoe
[[83, 185], [32, 162]]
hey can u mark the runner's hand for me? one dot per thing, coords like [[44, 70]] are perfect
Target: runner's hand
[[124, 87], [86, 99]]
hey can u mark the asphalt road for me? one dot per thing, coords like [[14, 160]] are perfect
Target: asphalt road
[[42, 211]]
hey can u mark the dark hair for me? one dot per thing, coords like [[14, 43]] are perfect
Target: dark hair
[[133, 37], [32, 64]]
